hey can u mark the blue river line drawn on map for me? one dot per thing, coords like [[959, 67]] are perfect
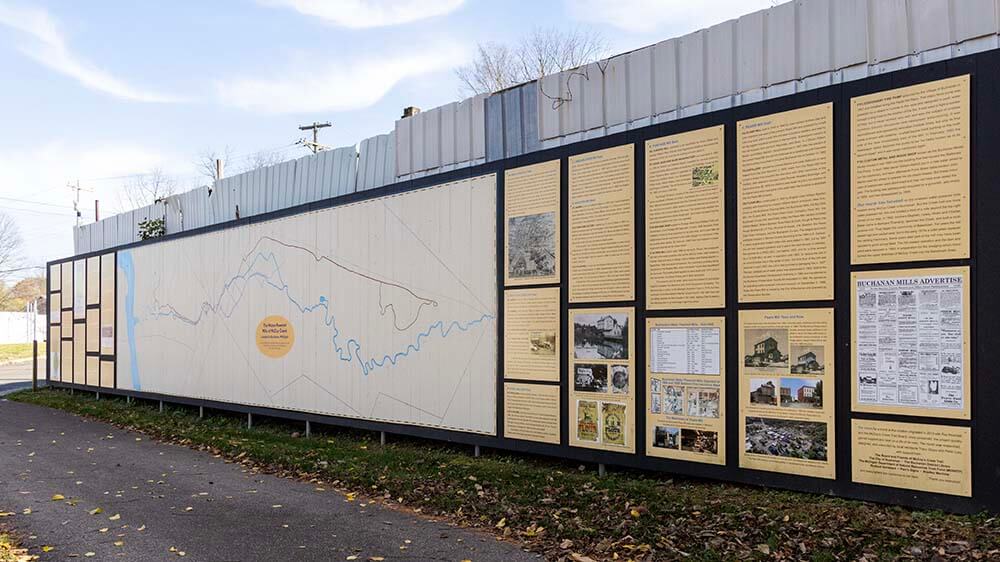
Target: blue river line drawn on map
[[348, 352]]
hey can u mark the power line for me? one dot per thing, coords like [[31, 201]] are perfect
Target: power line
[[35, 202]]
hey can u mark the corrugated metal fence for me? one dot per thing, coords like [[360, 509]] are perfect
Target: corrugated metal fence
[[792, 47]]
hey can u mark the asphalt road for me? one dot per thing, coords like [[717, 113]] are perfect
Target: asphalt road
[[156, 497], [16, 376]]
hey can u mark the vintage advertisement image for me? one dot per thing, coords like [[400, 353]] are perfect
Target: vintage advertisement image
[[786, 391], [601, 357], [531, 219], [911, 342], [685, 405]]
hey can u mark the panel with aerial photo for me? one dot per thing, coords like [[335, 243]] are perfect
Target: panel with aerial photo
[[531, 243]]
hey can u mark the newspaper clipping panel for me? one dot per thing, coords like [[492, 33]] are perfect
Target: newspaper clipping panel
[[686, 389], [531, 221], [602, 392], [531, 334], [929, 458], [602, 225], [785, 205], [787, 391], [685, 220], [910, 173], [531, 412], [911, 342]]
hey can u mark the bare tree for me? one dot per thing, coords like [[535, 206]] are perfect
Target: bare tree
[[542, 51], [205, 162], [145, 189], [11, 244], [261, 159]]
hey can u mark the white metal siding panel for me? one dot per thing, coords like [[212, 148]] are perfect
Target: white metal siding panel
[[548, 116], [750, 52], [720, 52], [850, 33], [513, 141], [665, 76], [887, 30], [815, 46], [432, 138], [616, 90], [387, 156], [417, 142], [780, 41], [463, 131], [930, 24], [640, 84], [448, 134], [975, 18], [494, 128], [692, 68], [570, 108], [404, 164], [591, 98], [478, 127]]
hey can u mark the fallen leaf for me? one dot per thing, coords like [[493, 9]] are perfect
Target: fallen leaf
[[501, 523], [115, 517], [48, 548], [58, 497], [96, 510], [90, 554]]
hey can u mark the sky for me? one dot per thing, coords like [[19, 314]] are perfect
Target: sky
[[100, 91]]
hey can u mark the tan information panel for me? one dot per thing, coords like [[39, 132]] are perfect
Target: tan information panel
[[531, 218], [80, 289], [79, 353], [785, 205], [55, 308], [929, 458], [67, 284], [66, 368], [531, 334], [686, 389], [55, 277], [685, 220], [108, 304], [93, 343], [602, 225], [787, 391], [54, 346], [531, 412], [93, 280], [602, 362], [911, 340], [93, 371], [910, 173], [107, 374]]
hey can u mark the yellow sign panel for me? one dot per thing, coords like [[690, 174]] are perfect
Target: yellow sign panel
[[787, 391], [275, 336], [785, 205], [686, 389], [685, 220], [531, 412], [602, 225], [910, 173], [531, 334], [911, 342], [602, 372], [531, 221], [929, 458]]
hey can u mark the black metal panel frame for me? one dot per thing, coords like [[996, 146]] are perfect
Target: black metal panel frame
[[984, 264]]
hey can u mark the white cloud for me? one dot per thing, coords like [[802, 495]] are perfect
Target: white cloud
[[48, 46], [370, 13], [332, 85], [674, 16]]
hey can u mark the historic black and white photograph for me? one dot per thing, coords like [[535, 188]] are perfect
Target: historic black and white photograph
[[543, 343], [700, 441], [667, 437], [531, 243], [590, 378], [807, 360], [673, 400], [619, 379], [600, 336], [765, 347]]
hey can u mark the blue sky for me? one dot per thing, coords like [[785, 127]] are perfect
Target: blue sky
[[100, 90]]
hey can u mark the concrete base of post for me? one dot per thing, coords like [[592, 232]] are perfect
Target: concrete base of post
[[601, 471], [249, 420], [476, 451], [382, 438], [97, 395], [201, 412], [308, 428]]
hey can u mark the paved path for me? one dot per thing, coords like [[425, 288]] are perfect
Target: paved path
[[165, 496], [16, 376]]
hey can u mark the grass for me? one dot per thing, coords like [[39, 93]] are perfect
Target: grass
[[10, 550], [18, 351], [558, 508]]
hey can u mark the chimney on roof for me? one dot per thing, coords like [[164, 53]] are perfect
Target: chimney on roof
[[410, 111]]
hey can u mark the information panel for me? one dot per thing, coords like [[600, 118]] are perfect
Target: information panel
[[531, 412], [531, 220], [910, 173], [685, 220], [787, 391], [929, 458], [911, 342], [686, 389], [531, 334], [602, 396], [785, 208], [602, 226]]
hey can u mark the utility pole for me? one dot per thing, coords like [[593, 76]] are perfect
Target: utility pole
[[315, 146], [97, 214], [76, 200]]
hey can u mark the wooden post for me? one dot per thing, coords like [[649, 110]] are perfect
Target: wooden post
[[34, 367], [201, 412], [308, 428]]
